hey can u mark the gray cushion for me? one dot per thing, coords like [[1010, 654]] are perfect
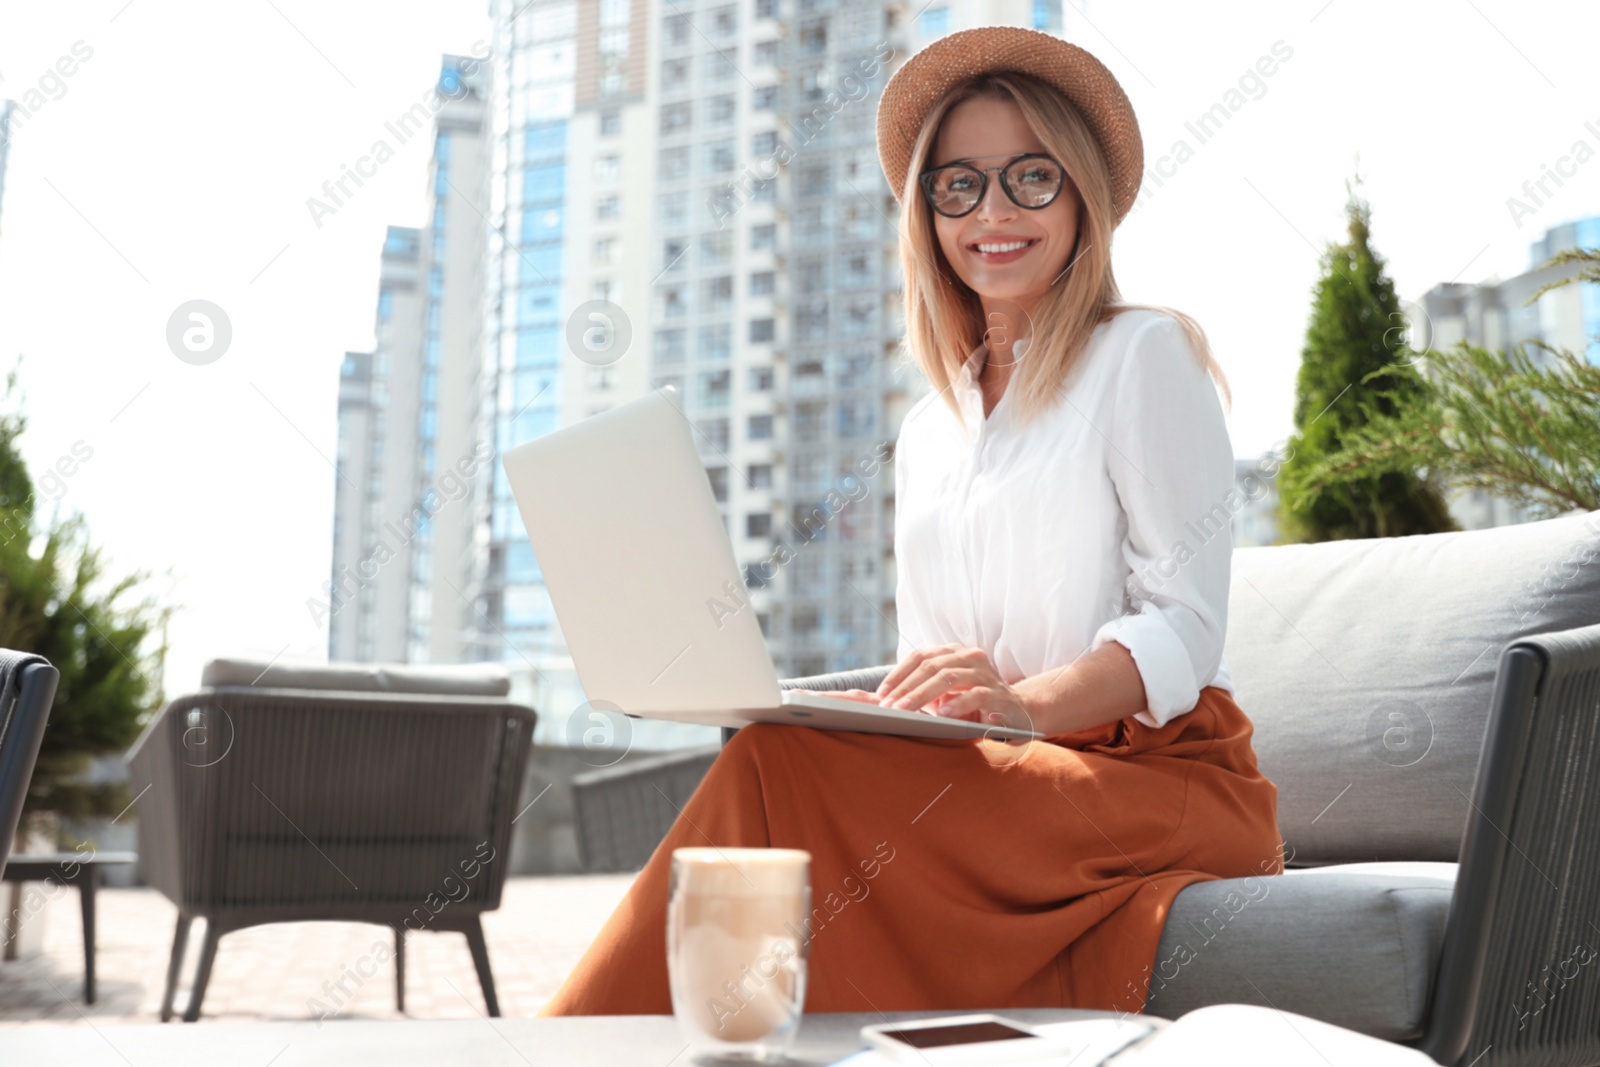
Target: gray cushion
[[454, 679], [1355, 946], [1368, 666]]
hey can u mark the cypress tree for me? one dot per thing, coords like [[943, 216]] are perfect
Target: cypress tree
[[1356, 328]]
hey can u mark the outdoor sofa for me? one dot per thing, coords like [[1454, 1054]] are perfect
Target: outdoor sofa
[[1429, 708]]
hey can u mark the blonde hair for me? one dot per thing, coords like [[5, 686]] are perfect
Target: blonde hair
[[944, 315]]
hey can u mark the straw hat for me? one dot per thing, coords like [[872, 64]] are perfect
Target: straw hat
[[1083, 79]]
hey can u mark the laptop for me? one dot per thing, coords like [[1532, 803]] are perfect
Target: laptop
[[644, 583]]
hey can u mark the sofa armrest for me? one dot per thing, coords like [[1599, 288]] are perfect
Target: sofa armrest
[[1514, 969]]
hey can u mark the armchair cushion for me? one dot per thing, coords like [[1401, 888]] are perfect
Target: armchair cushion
[[1355, 945], [1368, 667], [455, 679]]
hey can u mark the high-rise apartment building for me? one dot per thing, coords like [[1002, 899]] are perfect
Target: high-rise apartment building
[[5, 148], [409, 452], [366, 592], [1496, 315]]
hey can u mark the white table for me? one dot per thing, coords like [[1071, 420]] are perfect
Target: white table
[[632, 1040]]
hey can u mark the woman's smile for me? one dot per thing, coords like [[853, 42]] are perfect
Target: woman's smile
[[1001, 249]]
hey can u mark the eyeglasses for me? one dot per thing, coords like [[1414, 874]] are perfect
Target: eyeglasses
[[1032, 181]]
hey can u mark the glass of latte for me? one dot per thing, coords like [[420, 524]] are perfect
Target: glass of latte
[[736, 950]]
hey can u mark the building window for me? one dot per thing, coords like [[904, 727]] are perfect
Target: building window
[[610, 123], [714, 434], [753, 576], [718, 477], [814, 38], [718, 67], [608, 207], [718, 293], [811, 321], [672, 252], [716, 341], [716, 248], [856, 418], [766, 9], [674, 209], [675, 117], [674, 305], [804, 621], [764, 144], [763, 236], [766, 52], [674, 73], [764, 98], [810, 221], [761, 282], [675, 163], [670, 346], [758, 524], [812, 85], [724, 21], [861, 319], [715, 386], [720, 156], [723, 108], [814, 180], [607, 168], [603, 247], [855, 369], [759, 475], [760, 331], [808, 420], [677, 29], [760, 428], [760, 380]]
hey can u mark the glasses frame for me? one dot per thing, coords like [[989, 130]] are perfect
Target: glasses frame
[[925, 179]]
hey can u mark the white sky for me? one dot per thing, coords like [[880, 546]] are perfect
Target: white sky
[[177, 163]]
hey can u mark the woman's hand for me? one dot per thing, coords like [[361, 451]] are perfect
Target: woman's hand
[[955, 682]]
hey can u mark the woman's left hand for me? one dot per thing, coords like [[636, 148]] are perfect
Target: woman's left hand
[[955, 682]]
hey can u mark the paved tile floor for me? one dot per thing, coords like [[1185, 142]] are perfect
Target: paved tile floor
[[272, 972]]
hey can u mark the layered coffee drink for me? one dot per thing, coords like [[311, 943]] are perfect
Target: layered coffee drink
[[737, 968]]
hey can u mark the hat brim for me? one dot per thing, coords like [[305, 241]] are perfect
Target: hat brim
[[924, 79]]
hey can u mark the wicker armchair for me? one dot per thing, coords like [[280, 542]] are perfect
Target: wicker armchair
[[263, 803], [27, 690]]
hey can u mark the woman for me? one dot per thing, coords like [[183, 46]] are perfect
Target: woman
[[1062, 542]]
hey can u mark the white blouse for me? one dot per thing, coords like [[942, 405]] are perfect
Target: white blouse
[[1106, 519]]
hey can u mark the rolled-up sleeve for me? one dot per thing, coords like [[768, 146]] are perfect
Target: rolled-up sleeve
[[1171, 462]]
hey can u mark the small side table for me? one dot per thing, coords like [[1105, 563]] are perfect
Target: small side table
[[74, 869]]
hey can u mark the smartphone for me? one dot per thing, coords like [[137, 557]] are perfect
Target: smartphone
[[971, 1040]]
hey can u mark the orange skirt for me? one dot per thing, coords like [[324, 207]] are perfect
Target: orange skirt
[[951, 875]]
